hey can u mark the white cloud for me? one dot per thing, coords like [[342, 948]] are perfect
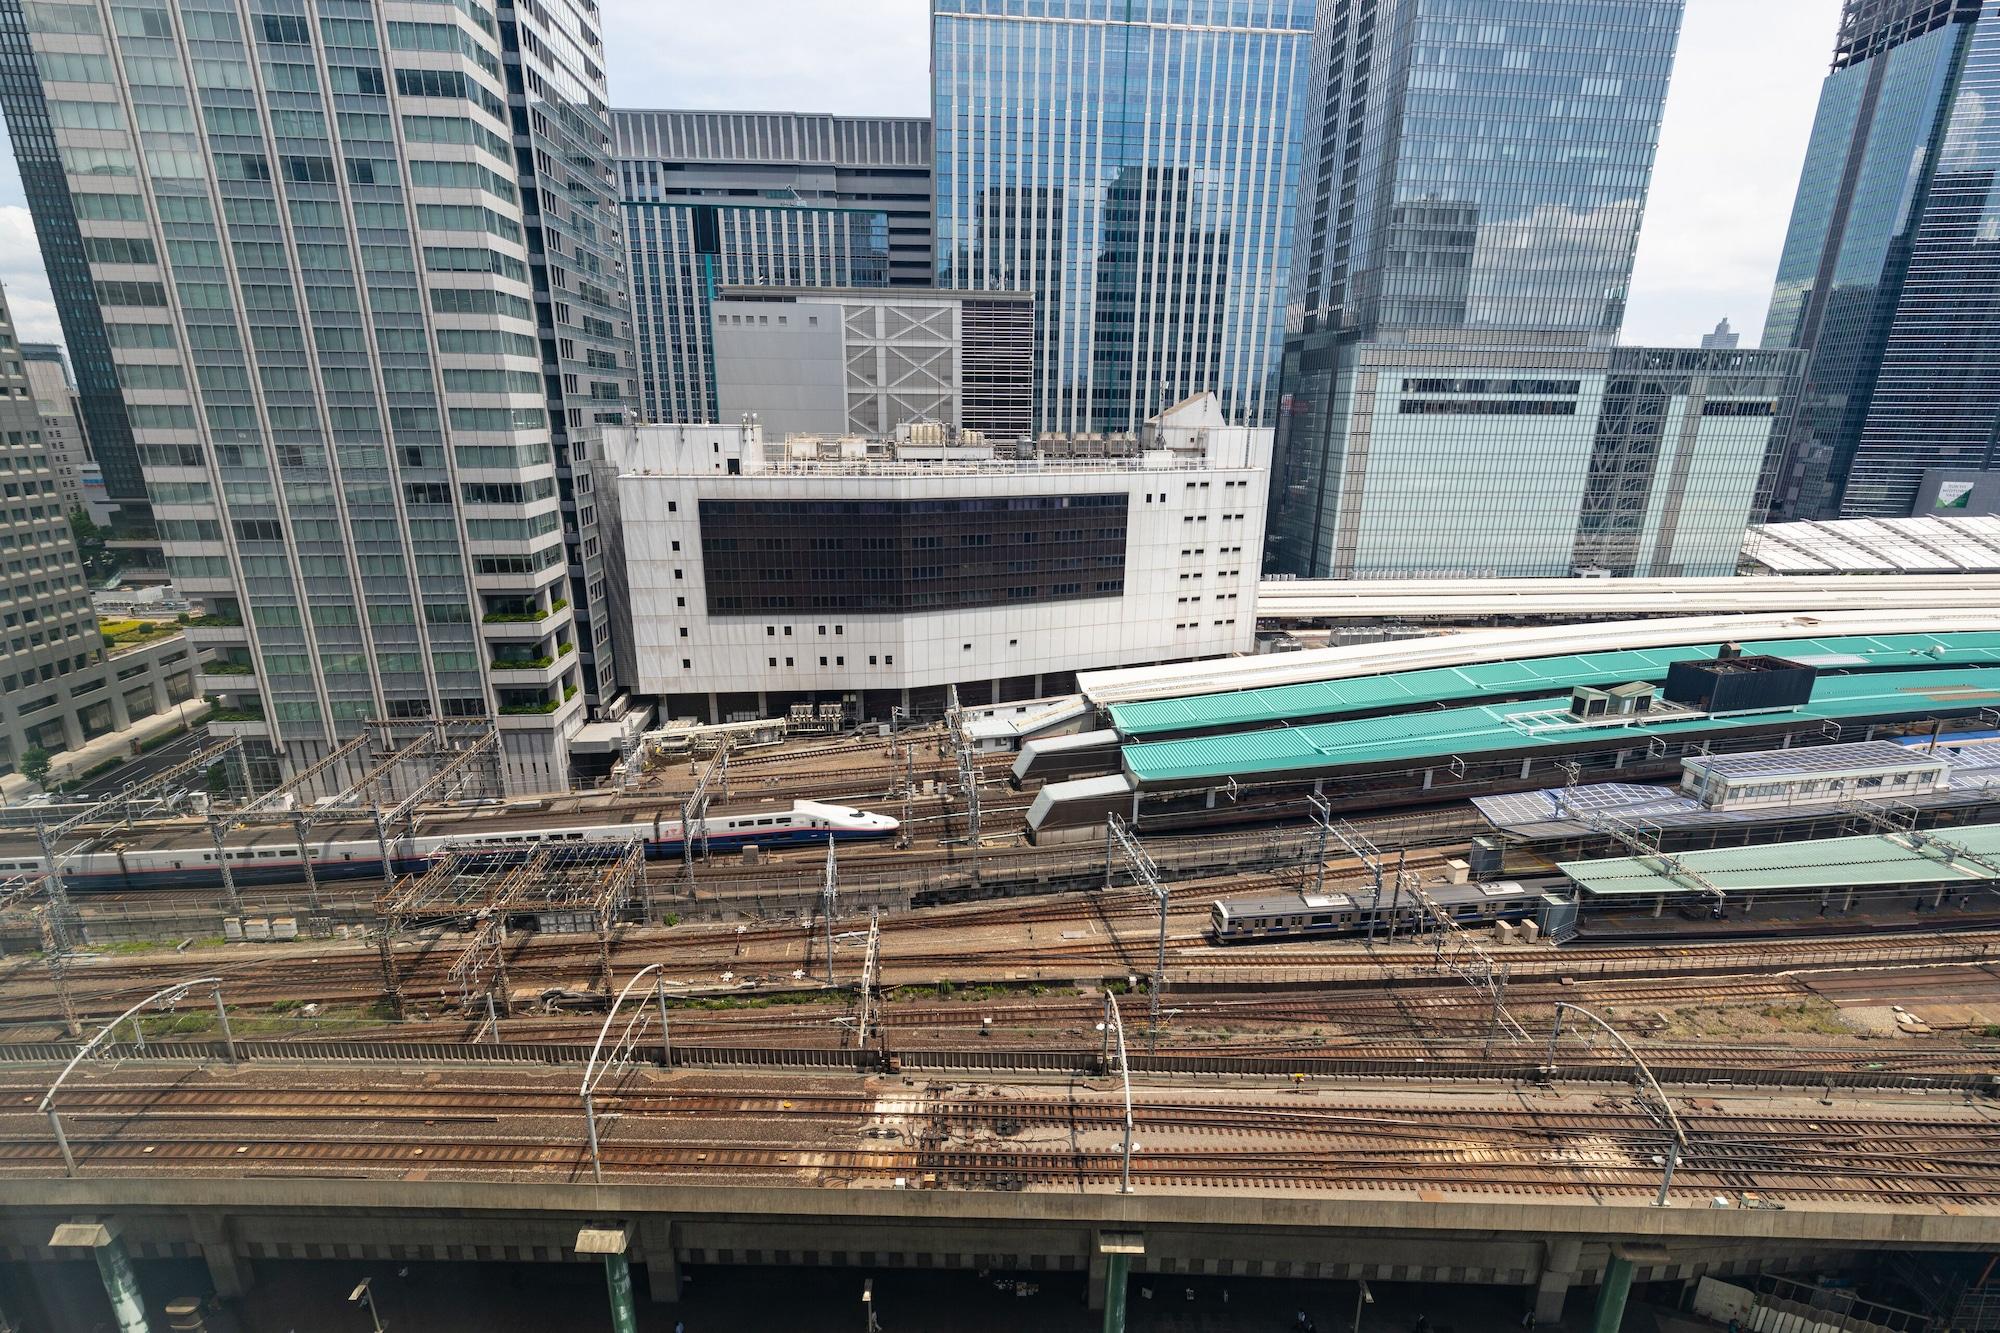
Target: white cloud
[[1745, 86], [21, 273], [849, 57]]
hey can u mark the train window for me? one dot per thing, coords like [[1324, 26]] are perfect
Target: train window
[[1322, 920]]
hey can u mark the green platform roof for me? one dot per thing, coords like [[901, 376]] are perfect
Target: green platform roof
[[1418, 689], [1946, 856], [1500, 728]]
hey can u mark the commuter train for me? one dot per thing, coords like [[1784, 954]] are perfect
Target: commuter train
[[271, 855], [1290, 916]]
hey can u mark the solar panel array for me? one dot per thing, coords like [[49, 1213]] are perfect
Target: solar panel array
[[1817, 760], [1553, 811]]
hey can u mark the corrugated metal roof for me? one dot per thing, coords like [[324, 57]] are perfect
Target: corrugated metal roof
[[1491, 728], [1873, 860], [1816, 761], [1223, 675], [1556, 812], [1922, 544], [1328, 698]]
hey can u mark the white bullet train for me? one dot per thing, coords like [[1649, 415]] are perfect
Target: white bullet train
[[187, 859]]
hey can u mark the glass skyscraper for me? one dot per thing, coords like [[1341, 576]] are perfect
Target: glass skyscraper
[[1475, 177], [358, 271], [1479, 167], [1133, 164], [1890, 274]]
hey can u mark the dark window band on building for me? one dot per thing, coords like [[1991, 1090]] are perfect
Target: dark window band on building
[[899, 556], [1486, 407], [1491, 386]]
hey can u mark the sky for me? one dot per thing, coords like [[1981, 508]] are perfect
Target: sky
[[1744, 86]]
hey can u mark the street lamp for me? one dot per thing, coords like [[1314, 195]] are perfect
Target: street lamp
[[868, 1304], [364, 1295], [1361, 1298]]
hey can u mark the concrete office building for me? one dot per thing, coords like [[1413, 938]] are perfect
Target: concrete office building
[[1468, 215], [1887, 278], [1525, 462], [1683, 455], [60, 687], [763, 573], [1133, 166], [62, 428], [357, 271], [864, 362], [724, 198]]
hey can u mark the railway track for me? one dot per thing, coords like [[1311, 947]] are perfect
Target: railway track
[[345, 973], [985, 1137]]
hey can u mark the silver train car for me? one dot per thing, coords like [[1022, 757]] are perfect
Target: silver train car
[[187, 859], [1289, 916]]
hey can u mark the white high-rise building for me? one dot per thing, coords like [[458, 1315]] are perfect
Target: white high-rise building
[[360, 271]]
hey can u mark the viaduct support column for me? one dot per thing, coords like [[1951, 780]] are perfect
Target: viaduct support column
[[1610, 1311], [218, 1249], [114, 1266], [663, 1265], [1560, 1258], [611, 1242], [1110, 1266]]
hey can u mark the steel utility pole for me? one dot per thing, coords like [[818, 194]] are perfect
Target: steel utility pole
[[1121, 839], [828, 898]]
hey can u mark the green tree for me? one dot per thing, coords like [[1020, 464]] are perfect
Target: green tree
[[35, 765], [99, 563]]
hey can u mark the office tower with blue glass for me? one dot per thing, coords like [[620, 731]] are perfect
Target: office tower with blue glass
[[716, 199], [1454, 403], [357, 272], [1890, 274], [1131, 163]]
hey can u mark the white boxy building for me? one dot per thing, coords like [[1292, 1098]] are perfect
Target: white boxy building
[[875, 573]]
